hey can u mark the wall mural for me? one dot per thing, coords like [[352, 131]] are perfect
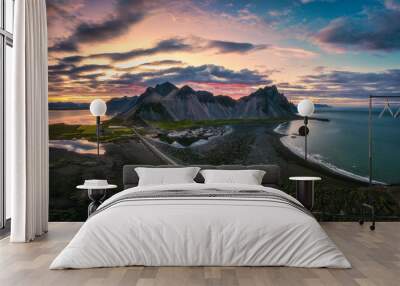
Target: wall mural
[[217, 82]]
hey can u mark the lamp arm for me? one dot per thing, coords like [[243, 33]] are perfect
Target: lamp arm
[[98, 135], [305, 137]]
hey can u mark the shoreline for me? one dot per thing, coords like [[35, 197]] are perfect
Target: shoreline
[[313, 162]]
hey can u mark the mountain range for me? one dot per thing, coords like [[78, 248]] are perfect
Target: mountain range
[[68, 106], [114, 106], [168, 102], [120, 105]]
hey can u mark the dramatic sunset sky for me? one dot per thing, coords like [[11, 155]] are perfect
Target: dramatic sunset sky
[[335, 51]]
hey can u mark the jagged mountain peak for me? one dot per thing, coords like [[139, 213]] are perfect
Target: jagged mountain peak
[[266, 90], [187, 88], [185, 91], [165, 88], [225, 100], [205, 96]]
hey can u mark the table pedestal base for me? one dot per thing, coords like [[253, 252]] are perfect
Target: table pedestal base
[[97, 197], [305, 193]]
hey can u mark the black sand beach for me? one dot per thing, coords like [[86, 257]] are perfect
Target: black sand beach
[[69, 169], [338, 196]]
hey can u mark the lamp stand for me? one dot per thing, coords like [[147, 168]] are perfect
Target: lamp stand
[[98, 135], [305, 137]]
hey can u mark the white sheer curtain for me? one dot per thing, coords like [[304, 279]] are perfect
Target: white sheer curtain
[[27, 154]]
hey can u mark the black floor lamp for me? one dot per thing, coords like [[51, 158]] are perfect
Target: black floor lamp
[[306, 109], [98, 108]]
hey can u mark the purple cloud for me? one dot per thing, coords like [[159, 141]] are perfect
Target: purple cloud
[[377, 30], [127, 13]]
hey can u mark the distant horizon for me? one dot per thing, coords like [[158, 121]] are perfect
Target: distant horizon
[[84, 101]]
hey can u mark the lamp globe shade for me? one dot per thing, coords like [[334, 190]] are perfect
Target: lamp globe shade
[[305, 107], [98, 107]]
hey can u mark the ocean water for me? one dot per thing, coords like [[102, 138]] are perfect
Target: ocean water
[[77, 146], [73, 117], [342, 143]]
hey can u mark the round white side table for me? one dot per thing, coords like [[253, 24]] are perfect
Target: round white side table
[[305, 190], [96, 194]]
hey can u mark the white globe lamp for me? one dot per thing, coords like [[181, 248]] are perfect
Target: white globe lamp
[[306, 109], [98, 108]]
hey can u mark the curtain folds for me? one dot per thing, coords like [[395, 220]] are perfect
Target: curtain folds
[[28, 124]]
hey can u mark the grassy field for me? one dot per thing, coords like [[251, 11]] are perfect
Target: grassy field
[[88, 132], [184, 124]]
